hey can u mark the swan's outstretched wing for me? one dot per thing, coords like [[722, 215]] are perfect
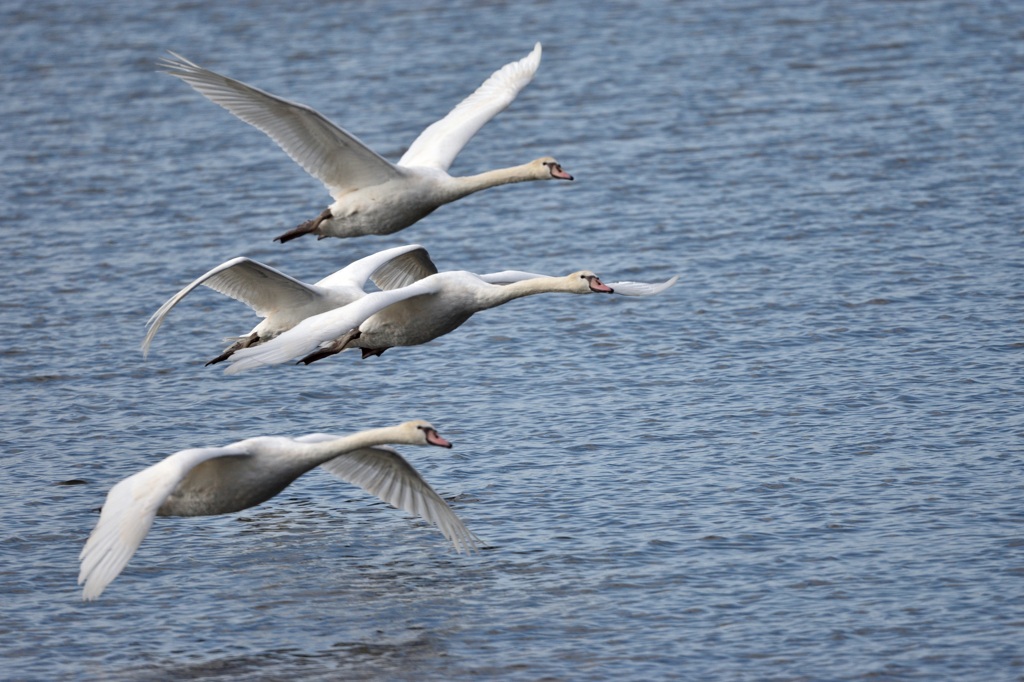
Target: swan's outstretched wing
[[381, 471], [641, 288], [624, 288], [389, 269], [259, 286], [332, 155], [440, 143], [308, 335], [404, 270], [508, 276], [128, 515]]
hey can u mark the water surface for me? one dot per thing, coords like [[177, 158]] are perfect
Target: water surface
[[803, 462]]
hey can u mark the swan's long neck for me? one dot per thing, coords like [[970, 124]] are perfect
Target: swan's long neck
[[496, 295], [466, 185], [318, 453]]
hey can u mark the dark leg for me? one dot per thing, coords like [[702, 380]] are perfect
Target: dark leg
[[250, 340], [332, 348], [307, 227], [367, 352]]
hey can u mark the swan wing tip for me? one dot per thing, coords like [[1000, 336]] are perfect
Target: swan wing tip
[[642, 288]]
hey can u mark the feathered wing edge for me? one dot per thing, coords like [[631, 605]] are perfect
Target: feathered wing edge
[[128, 513], [641, 288], [383, 472], [237, 279], [324, 150], [439, 144], [391, 268]]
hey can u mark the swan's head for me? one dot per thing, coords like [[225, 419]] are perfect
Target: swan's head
[[547, 168], [420, 432], [586, 282]]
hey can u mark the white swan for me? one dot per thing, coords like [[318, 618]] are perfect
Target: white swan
[[284, 301], [418, 313], [371, 194], [221, 480]]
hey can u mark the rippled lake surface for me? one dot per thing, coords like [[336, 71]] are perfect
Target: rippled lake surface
[[803, 462]]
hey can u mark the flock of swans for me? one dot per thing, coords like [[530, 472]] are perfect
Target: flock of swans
[[413, 304]]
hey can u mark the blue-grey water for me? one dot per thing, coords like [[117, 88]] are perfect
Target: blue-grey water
[[803, 462]]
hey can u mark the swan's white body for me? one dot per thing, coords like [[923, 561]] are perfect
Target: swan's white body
[[284, 301], [221, 480], [371, 194], [418, 313]]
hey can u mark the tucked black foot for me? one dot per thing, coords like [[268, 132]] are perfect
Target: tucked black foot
[[222, 357], [308, 227], [333, 348], [250, 340]]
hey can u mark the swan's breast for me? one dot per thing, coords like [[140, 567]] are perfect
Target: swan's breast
[[229, 484], [386, 208], [418, 320]]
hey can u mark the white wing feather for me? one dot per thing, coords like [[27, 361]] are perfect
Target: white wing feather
[[641, 288], [404, 270], [128, 514], [381, 471], [259, 286], [389, 269], [327, 152], [440, 143], [509, 276]]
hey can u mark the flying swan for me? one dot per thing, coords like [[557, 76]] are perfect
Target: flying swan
[[371, 194], [418, 313], [221, 480], [284, 301]]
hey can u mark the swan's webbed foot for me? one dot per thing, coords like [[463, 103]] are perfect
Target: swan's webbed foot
[[308, 227], [250, 340], [333, 348], [367, 352]]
